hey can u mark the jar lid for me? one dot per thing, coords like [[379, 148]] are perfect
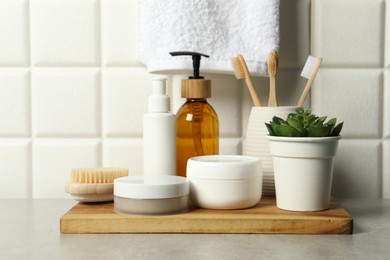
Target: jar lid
[[224, 167], [151, 187]]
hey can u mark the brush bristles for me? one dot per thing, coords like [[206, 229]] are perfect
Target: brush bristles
[[238, 67], [310, 64], [97, 175], [273, 63]]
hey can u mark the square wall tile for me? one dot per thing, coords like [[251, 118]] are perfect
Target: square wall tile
[[66, 102], [175, 84], [226, 101], [119, 24], [55, 158], [14, 28], [126, 153], [354, 96], [349, 32], [386, 105], [15, 168], [387, 34], [294, 29], [386, 170], [125, 101], [357, 172], [65, 32], [230, 146], [15, 103]]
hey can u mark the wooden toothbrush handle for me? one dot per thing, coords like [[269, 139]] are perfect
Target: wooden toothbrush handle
[[252, 91], [308, 84], [272, 102], [305, 92]]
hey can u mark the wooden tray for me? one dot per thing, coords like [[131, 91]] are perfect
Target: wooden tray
[[263, 218]]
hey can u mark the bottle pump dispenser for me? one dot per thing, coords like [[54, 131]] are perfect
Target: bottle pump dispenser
[[197, 125]]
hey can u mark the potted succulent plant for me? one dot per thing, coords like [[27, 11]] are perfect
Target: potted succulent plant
[[303, 147]]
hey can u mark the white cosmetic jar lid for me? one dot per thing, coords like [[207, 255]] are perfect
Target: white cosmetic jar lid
[[225, 181], [152, 194]]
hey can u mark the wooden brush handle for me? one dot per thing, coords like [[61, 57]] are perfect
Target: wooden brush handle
[[272, 102], [305, 92], [308, 84], [252, 91], [89, 188]]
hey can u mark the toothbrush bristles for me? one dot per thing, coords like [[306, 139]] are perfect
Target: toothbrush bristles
[[309, 66], [241, 71], [238, 68]]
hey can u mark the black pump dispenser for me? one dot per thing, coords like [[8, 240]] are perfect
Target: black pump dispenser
[[196, 57], [195, 86]]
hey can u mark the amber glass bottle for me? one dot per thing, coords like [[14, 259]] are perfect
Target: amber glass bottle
[[197, 132], [197, 126]]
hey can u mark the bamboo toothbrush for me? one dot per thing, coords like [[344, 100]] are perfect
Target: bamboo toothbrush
[[309, 71], [273, 64], [241, 72]]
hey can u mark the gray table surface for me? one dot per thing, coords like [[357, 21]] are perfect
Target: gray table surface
[[29, 229]]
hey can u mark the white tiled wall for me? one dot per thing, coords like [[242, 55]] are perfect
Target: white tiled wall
[[350, 35], [72, 93]]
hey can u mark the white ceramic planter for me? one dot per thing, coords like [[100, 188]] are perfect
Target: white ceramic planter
[[303, 169], [256, 144]]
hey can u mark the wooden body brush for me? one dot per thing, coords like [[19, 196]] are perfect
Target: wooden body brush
[[94, 184], [241, 71]]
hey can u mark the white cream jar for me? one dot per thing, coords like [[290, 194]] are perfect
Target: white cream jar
[[151, 195], [225, 181]]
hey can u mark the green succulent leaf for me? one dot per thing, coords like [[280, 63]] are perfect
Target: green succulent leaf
[[304, 131], [320, 121], [270, 130], [332, 121], [291, 115], [278, 120], [273, 127], [294, 123], [336, 131], [287, 130], [320, 131], [311, 120]]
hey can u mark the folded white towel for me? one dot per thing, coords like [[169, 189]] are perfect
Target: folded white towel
[[220, 28]]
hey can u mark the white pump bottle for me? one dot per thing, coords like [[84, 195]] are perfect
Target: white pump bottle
[[159, 133]]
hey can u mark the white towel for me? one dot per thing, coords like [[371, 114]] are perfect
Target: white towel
[[219, 28]]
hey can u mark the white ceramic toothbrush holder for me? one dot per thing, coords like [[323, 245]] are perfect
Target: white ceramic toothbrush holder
[[256, 143]]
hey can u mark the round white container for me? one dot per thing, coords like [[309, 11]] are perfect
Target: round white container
[[225, 181], [151, 195]]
